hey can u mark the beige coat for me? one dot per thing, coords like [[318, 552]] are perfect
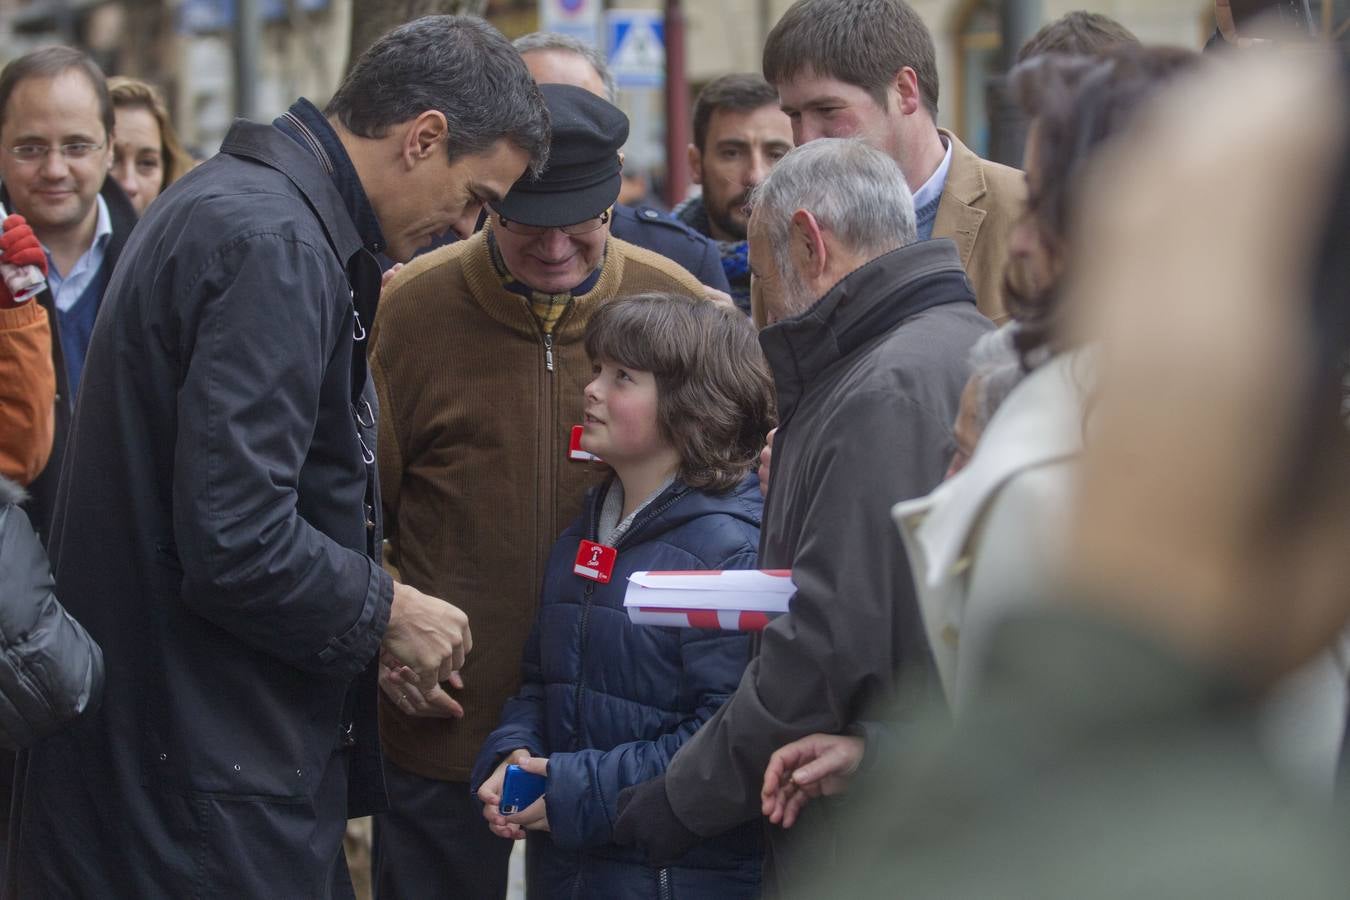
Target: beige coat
[[991, 541], [981, 202]]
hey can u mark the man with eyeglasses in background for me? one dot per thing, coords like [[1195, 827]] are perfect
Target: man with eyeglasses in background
[[479, 365], [56, 122]]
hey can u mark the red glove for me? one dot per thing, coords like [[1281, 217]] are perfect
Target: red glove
[[19, 247]]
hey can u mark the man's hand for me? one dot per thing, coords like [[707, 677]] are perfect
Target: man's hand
[[765, 461], [400, 685], [428, 636], [389, 274], [818, 765]]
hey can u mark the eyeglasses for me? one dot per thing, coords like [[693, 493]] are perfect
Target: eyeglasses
[[585, 227], [30, 153]]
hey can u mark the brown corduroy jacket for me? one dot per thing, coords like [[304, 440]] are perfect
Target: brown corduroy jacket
[[981, 202], [474, 473]]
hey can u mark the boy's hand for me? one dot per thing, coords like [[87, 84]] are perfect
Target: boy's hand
[[535, 816], [490, 794]]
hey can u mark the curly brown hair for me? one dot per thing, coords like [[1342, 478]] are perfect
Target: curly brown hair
[[715, 396]]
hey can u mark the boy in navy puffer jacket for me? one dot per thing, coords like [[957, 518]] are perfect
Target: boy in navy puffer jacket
[[679, 407]]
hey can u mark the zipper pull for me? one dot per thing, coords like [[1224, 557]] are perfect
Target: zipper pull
[[548, 352]]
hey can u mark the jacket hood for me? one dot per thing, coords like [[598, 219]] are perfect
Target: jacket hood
[[10, 492], [678, 505], [866, 304]]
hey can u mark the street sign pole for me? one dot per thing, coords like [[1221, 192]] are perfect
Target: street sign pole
[[677, 106]]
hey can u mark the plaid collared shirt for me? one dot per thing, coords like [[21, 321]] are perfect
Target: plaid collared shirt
[[547, 308]]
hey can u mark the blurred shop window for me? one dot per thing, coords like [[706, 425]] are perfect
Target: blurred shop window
[[1332, 18], [978, 41]]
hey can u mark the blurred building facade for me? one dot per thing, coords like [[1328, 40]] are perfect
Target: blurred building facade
[[186, 46]]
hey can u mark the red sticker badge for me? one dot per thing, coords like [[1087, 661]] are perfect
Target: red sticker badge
[[595, 561], [574, 450]]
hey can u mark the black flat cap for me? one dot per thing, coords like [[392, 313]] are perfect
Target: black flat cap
[[583, 174]]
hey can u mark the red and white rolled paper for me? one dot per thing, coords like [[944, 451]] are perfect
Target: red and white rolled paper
[[23, 282], [739, 600]]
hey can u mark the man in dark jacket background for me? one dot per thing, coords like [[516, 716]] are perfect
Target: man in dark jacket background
[[56, 122], [218, 527], [868, 335], [739, 133]]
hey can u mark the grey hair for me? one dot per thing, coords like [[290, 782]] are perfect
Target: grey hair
[[550, 40], [459, 66], [854, 191], [995, 368]]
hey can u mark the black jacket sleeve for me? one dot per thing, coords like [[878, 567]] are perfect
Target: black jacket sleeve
[[50, 669], [270, 312]]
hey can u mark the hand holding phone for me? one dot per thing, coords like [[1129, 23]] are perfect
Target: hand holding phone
[[520, 789]]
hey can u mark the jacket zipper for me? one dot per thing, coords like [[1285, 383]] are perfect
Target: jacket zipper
[[593, 532], [581, 662], [663, 884], [548, 352]]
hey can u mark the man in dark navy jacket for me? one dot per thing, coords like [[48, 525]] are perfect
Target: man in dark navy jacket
[[217, 529]]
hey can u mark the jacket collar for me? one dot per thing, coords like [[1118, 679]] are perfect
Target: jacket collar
[[958, 218], [269, 146], [867, 304], [1040, 423], [677, 505], [307, 126]]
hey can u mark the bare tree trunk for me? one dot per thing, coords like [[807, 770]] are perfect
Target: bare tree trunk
[[372, 18]]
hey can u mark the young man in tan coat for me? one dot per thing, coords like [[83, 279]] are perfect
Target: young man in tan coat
[[868, 69], [478, 360]]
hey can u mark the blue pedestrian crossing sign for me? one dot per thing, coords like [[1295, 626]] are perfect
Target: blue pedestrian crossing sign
[[636, 47]]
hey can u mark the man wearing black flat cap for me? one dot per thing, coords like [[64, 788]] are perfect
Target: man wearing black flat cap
[[478, 361]]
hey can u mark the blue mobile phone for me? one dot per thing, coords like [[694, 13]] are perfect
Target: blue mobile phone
[[520, 789]]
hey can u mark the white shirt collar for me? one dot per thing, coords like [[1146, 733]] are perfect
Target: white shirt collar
[[103, 229], [932, 188]]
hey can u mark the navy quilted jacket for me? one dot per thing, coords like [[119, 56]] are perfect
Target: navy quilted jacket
[[610, 702]]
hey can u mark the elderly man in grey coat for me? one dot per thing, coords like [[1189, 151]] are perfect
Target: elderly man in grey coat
[[868, 338]]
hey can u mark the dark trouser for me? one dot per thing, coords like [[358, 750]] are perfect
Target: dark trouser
[[435, 843]]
